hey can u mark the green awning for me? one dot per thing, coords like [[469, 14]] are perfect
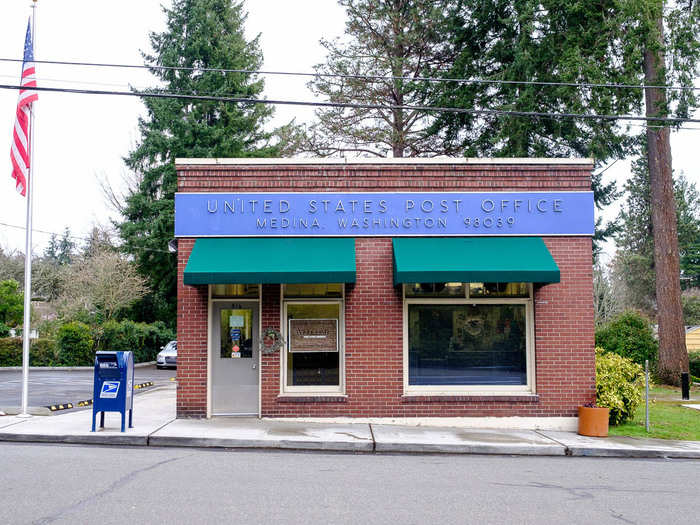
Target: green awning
[[473, 259], [254, 260]]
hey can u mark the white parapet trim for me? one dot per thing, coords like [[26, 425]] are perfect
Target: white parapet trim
[[568, 424], [384, 161]]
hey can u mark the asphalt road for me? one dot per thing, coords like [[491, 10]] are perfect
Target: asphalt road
[[49, 387], [81, 484]]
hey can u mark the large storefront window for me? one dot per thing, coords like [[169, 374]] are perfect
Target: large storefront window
[[314, 336], [460, 344], [476, 342]]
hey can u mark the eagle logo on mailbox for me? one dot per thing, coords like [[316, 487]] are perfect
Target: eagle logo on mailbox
[[109, 390]]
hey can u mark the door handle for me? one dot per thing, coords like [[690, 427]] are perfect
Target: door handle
[[254, 366]]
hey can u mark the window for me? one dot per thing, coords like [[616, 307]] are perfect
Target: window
[[235, 290], [313, 290], [314, 335], [467, 337]]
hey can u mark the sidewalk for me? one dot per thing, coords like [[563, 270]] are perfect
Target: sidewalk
[[155, 425]]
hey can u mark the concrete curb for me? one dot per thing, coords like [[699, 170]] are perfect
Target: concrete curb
[[96, 439], [368, 447], [623, 446], [283, 444], [506, 450], [609, 452], [69, 368]]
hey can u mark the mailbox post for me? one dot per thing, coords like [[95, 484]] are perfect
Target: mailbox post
[[114, 386]]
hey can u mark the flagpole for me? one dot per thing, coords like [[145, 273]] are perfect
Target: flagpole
[[28, 249]]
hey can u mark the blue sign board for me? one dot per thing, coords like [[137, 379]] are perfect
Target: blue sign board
[[383, 214]]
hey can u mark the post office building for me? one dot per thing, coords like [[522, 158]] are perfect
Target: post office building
[[403, 290]]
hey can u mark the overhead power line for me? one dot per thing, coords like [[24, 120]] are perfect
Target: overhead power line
[[428, 109], [364, 77], [76, 237]]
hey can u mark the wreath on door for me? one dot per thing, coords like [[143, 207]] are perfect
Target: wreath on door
[[271, 341]]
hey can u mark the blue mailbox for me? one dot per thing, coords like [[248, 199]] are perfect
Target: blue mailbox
[[114, 386]]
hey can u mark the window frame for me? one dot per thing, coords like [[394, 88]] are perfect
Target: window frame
[[319, 390], [474, 390]]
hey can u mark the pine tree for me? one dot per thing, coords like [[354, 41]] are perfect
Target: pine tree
[[538, 41], [634, 264], [199, 34], [66, 248], [384, 38], [51, 252]]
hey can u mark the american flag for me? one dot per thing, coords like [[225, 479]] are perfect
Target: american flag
[[19, 152]]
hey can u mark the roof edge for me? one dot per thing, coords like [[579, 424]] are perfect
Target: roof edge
[[386, 161]]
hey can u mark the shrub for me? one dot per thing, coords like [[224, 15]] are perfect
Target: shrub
[[145, 340], [629, 335], [42, 352], [11, 351], [619, 384], [75, 344], [4, 330], [156, 335], [694, 362]]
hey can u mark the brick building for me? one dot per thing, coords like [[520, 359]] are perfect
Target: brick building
[[392, 290]]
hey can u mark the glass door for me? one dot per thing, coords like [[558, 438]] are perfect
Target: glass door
[[235, 385]]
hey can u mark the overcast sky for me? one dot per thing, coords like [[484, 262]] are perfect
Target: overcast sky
[[81, 139]]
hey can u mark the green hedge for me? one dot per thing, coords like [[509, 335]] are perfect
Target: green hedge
[[76, 343], [42, 352], [145, 340]]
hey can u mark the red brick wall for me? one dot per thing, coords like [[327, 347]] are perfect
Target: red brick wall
[[192, 304], [565, 372]]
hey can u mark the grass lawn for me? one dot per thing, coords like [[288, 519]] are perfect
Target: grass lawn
[[668, 419]]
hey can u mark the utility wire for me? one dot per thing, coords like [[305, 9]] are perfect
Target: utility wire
[[75, 237], [607, 167], [437, 109], [114, 84], [362, 77]]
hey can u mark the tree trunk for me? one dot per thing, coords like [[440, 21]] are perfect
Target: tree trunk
[[673, 356]]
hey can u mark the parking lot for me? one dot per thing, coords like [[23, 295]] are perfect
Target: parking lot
[[53, 387]]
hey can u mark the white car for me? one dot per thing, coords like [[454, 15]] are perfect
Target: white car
[[167, 357]]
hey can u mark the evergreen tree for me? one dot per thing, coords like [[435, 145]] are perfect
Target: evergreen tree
[[199, 34], [634, 261], [51, 252], [384, 38], [600, 42], [60, 252], [66, 248]]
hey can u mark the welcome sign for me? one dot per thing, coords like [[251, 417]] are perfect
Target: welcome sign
[[383, 214], [313, 335]]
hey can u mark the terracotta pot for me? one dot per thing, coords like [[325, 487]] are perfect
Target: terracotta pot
[[593, 421]]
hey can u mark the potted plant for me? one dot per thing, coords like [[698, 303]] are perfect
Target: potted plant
[[593, 420]]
